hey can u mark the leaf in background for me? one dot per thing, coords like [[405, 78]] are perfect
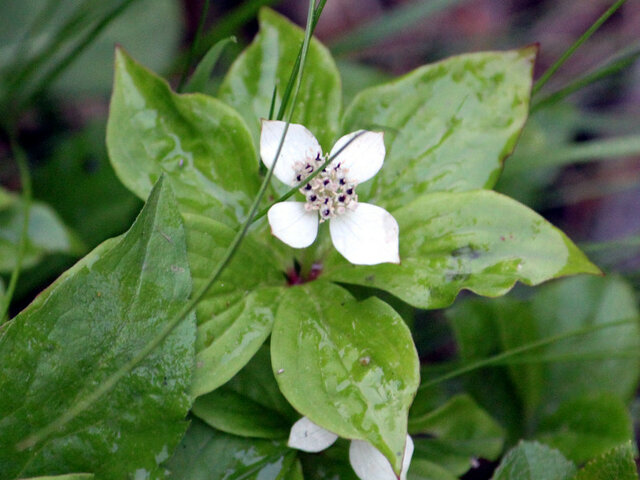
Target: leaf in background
[[587, 426], [250, 404], [266, 64], [534, 384], [349, 366], [156, 37], [207, 454], [533, 461], [47, 234], [617, 464], [80, 184], [421, 469], [456, 432], [83, 328], [479, 241], [448, 126], [200, 77], [236, 315], [201, 144]]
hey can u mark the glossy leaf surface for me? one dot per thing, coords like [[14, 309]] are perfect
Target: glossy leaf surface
[[616, 464], [267, 64], [456, 432], [534, 461], [79, 331], [47, 233], [201, 144], [586, 427], [479, 241], [206, 454], [250, 404], [349, 366], [236, 315], [448, 126]]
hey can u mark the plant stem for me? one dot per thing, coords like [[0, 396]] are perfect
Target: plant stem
[[194, 45], [583, 38], [25, 180], [500, 358], [189, 307]]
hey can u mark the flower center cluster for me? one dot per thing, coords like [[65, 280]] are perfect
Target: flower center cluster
[[330, 193]]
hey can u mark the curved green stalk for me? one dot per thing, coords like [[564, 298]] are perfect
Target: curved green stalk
[[194, 45], [583, 38], [504, 356], [25, 180], [113, 379]]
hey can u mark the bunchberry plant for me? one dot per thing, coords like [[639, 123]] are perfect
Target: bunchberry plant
[[291, 339]]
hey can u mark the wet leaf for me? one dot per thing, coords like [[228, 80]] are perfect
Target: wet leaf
[[78, 332], [206, 454], [250, 404], [349, 366], [201, 144], [479, 241], [448, 126], [267, 64], [236, 315]]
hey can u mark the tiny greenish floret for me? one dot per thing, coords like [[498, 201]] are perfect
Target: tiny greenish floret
[[329, 193]]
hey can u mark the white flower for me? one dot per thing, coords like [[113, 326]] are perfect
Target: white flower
[[363, 233], [366, 460]]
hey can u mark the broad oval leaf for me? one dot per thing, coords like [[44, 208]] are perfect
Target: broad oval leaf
[[587, 426], [250, 404], [448, 126], [236, 315], [78, 332], [533, 461], [350, 366], [617, 464], [208, 454], [480, 241], [201, 144], [267, 63], [456, 432], [46, 233]]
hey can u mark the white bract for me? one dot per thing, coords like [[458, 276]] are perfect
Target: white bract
[[366, 460], [363, 233]]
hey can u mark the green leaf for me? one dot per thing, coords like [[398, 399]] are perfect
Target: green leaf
[[349, 366], [332, 464], [479, 241], [587, 426], [532, 385], [533, 461], [200, 77], [617, 464], [47, 234], [266, 64], [448, 126], [457, 431], [236, 315], [207, 454], [421, 469], [250, 404], [201, 144], [80, 331], [78, 181]]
